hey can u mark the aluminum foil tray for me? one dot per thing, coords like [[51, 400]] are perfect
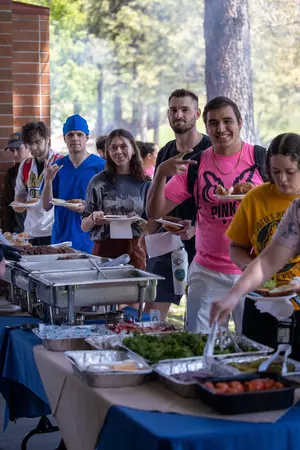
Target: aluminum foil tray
[[60, 339], [90, 367], [189, 389], [241, 340], [248, 359], [143, 327], [245, 342], [157, 326], [108, 342]]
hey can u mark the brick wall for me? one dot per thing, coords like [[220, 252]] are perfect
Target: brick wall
[[24, 72]]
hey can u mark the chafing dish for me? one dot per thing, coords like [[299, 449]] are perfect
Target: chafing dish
[[71, 289], [22, 269], [189, 389], [8, 274], [94, 367]]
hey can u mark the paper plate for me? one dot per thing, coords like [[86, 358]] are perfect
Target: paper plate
[[112, 218], [24, 205], [9, 308], [59, 202], [229, 197], [262, 298], [168, 222]]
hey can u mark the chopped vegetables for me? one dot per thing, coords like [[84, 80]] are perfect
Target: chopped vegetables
[[173, 345], [238, 387]]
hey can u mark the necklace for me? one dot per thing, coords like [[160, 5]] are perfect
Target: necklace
[[235, 167]]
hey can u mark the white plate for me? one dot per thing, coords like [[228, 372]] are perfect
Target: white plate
[[59, 202], [122, 218], [10, 308], [274, 299], [167, 222], [24, 205], [230, 197]]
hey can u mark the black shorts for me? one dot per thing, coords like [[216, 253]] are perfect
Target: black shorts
[[162, 265]]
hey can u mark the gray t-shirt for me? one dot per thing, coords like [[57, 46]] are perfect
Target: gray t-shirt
[[125, 196]]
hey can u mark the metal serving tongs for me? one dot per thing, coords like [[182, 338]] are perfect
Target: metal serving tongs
[[121, 260], [237, 348], [287, 349], [210, 343]]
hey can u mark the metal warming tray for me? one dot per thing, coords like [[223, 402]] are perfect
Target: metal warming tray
[[90, 367], [189, 389], [85, 288], [53, 342], [21, 270]]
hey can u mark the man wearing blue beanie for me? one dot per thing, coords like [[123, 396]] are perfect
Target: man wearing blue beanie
[[67, 179]]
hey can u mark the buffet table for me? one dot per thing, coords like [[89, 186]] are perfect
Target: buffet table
[[106, 418], [83, 412]]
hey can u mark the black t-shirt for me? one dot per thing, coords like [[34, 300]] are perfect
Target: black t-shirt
[[187, 209], [40, 166]]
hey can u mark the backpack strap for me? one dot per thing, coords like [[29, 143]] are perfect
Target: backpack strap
[[191, 180], [26, 169], [260, 155]]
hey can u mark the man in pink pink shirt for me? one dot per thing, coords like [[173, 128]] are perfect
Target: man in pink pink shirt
[[229, 161]]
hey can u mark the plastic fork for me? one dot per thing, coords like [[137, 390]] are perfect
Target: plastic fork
[[287, 349]]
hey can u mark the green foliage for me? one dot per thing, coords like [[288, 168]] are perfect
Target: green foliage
[[143, 49]]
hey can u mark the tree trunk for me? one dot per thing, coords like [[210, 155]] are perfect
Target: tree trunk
[[76, 109], [144, 122], [228, 56], [99, 126], [135, 118], [117, 112], [156, 124]]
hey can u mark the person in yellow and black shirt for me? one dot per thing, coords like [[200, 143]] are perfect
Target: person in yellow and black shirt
[[256, 221]]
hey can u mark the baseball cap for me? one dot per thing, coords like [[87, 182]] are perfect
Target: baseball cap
[[76, 122], [14, 141]]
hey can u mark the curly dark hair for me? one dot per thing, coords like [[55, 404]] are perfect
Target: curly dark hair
[[221, 102], [287, 144], [31, 128], [136, 167]]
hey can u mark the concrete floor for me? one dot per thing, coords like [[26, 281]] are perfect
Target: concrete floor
[[14, 434]]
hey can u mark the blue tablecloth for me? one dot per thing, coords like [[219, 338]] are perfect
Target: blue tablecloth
[[20, 382], [145, 430]]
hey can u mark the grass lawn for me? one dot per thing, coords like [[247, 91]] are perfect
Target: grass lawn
[[177, 314]]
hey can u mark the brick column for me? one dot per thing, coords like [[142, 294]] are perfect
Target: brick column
[[24, 72], [31, 64], [6, 95]]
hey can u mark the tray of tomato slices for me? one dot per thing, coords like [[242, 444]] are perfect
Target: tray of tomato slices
[[242, 394]]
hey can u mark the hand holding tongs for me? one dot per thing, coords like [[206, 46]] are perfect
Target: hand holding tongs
[[287, 349]]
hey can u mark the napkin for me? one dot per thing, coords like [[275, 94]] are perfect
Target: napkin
[[280, 309]]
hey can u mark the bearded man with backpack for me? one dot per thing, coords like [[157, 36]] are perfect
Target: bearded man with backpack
[[183, 113], [227, 162], [38, 222]]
